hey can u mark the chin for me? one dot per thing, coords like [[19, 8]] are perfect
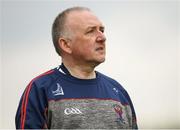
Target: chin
[[102, 60], [96, 62], [99, 61]]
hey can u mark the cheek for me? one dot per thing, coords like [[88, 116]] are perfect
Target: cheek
[[85, 49], [84, 46], [88, 49]]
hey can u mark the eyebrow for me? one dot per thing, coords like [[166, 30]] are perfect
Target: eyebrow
[[93, 27]]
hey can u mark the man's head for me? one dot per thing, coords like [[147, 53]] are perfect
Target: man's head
[[77, 33]]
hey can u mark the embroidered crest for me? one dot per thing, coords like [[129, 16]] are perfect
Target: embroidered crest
[[58, 91], [119, 111]]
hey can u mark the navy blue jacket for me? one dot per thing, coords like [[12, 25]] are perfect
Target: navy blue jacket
[[58, 100]]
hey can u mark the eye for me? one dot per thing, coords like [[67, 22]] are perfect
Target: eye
[[102, 30], [90, 31]]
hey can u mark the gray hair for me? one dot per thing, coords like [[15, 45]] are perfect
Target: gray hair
[[59, 28]]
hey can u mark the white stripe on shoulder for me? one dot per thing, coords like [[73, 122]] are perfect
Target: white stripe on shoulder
[[62, 71]]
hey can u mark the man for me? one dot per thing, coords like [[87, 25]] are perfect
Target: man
[[74, 95]]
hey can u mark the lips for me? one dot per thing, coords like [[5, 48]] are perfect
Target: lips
[[100, 49]]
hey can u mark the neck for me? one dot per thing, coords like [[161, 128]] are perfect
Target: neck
[[80, 71]]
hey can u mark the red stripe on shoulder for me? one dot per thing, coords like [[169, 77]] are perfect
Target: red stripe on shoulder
[[25, 98]]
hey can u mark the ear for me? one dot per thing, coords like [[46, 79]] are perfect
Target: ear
[[65, 45]]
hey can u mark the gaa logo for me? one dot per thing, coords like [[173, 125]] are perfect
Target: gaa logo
[[72, 111]]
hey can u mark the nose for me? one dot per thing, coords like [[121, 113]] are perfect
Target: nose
[[101, 37]]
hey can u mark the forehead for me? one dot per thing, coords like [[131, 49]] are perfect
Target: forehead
[[82, 19]]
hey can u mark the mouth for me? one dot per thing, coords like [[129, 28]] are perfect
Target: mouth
[[100, 49]]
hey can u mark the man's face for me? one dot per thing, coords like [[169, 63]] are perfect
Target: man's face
[[88, 39]]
